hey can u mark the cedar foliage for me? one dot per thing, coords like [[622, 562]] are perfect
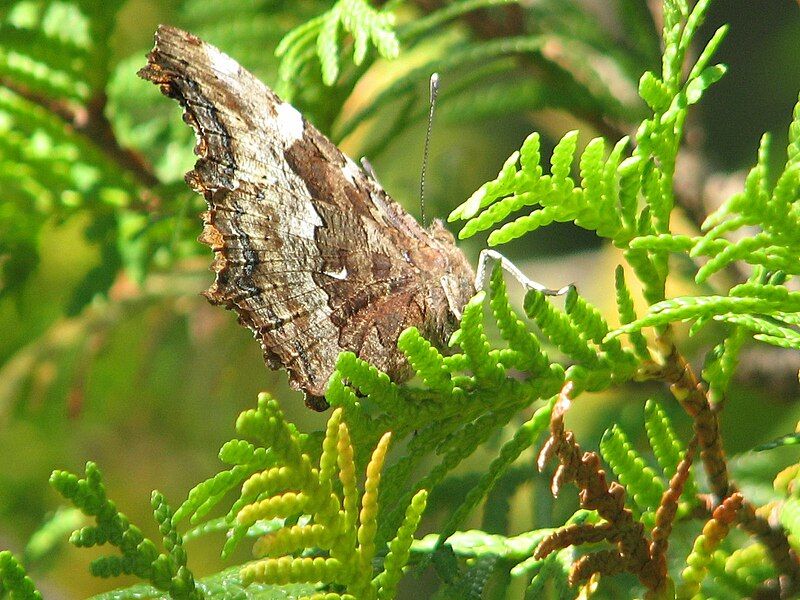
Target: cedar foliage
[[334, 513]]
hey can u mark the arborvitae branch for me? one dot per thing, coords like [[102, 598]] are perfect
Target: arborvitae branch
[[14, 582], [642, 484], [166, 572], [668, 450], [714, 532]]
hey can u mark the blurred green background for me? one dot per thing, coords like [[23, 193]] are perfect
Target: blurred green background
[[148, 379]]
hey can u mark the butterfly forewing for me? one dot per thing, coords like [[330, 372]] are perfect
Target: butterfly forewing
[[311, 253]]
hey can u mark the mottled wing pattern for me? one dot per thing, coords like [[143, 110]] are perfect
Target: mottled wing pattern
[[313, 256]]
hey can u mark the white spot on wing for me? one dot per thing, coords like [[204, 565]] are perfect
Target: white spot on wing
[[350, 170], [289, 123], [340, 275], [221, 62]]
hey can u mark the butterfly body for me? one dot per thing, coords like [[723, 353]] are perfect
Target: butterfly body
[[310, 252]]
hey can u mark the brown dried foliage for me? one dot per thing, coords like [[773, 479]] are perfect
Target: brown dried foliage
[[632, 548]]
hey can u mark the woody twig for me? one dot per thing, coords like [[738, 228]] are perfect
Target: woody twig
[[631, 550], [689, 391], [693, 397]]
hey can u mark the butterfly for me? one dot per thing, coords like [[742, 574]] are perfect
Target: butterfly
[[310, 252]]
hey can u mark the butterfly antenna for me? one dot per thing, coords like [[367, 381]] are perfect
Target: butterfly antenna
[[434, 90]]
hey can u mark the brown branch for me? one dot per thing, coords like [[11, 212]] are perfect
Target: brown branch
[[96, 126], [668, 508], [777, 544], [691, 394], [91, 122]]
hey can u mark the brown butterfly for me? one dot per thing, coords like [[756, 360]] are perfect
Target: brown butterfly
[[310, 252]]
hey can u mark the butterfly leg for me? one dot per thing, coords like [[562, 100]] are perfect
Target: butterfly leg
[[489, 257]]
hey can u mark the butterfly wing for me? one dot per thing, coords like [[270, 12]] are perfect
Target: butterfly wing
[[311, 253]]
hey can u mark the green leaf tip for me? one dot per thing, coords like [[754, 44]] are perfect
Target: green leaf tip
[[14, 581]]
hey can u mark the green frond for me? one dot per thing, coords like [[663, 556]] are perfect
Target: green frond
[[559, 329], [667, 447], [338, 393], [620, 182], [476, 543], [50, 535], [606, 185], [501, 186], [371, 382], [524, 438], [744, 299], [54, 63], [702, 81], [743, 569], [59, 50], [771, 329], [521, 226], [368, 517], [627, 314], [329, 456], [654, 92], [552, 573], [471, 337], [793, 149], [453, 440], [426, 360], [268, 425], [222, 525], [296, 49], [399, 548], [591, 162], [49, 65], [356, 17], [350, 496], [468, 582], [281, 442], [726, 253], [14, 581], [653, 283], [561, 161], [658, 195], [205, 496], [644, 487], [665, 242], [332, 522], [530, 357], [171, 568], [328, 45], [790, 516], [763, 205], [449, 429], [791, 439], [140, 557], [364, 429], [693, 21], [593, 327]]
